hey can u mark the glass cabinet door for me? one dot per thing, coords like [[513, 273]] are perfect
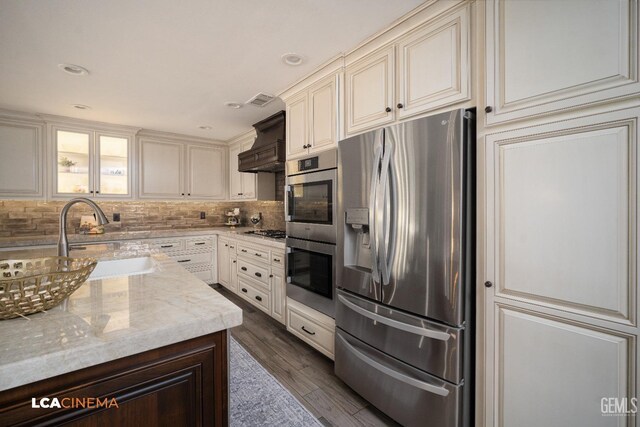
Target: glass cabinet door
[[113, 166], [73, 162]]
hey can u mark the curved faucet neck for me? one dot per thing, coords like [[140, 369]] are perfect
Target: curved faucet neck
[[63, 243]]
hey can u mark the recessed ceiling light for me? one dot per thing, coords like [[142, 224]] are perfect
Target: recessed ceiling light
[[75, 70], [235, 105], [81, 107], [292, 59], [204, 127]]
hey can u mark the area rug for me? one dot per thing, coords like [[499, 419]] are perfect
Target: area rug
[[258, 399]]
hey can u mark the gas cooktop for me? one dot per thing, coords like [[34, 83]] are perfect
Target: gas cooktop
[[274, 234]]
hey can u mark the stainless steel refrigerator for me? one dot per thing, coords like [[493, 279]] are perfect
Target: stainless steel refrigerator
[[405, 269]]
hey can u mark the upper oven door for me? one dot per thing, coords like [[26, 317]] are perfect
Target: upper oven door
[[310, 206]]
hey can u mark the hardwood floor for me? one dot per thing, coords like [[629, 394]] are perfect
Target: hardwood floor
[[307, 374]]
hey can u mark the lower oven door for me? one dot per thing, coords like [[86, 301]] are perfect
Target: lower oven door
[[406, 394], [311, 274]]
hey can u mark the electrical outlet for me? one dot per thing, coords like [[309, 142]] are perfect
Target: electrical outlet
[[202, 215], [116, 217]]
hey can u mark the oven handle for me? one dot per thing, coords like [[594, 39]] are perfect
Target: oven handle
[[287, 192]]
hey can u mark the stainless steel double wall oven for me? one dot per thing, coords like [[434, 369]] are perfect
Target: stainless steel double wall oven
[[311, 218]]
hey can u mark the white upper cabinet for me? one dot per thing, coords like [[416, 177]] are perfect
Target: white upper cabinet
[[296, 129], [423, 70], [206, 172], [369, 91], [175, 170], [90, 163], [247, 185], [21, 162], [312, 117], [546, 56], [434, 65]]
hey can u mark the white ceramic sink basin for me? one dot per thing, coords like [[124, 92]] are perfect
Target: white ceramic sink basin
[[122, 267]]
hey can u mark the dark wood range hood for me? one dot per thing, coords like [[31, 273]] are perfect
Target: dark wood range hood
[[268, 151]]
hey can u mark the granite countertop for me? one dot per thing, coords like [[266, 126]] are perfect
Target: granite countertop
[[112, 318], [236, 233]]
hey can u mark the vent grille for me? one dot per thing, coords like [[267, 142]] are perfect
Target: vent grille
[[260, 100]]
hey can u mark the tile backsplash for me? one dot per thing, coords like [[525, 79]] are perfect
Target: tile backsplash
[[34, 217]]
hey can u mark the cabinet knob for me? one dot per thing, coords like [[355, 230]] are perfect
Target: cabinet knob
[[271, 275], [182, 194], [488, 109], [240, 194], [188, 194], [244, 289], [234, 261], [488, 284], [97, 192], [258, 274], [226, 246], [258, 297], [400, 105], [388, 109]]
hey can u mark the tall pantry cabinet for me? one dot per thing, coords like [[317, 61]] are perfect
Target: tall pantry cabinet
[[557, 215]]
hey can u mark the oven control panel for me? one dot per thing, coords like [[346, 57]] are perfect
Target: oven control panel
[[308, 164]]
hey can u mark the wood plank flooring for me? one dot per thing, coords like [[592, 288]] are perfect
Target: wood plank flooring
[[306, 373]]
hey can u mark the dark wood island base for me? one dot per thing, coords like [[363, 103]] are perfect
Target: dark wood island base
[[182, 384]]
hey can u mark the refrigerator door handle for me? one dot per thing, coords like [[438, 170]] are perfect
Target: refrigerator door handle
[[384, 228], [425, 332], [440, 391], [373, 217]]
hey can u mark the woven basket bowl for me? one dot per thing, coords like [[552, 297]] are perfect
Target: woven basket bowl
[[28, 286]]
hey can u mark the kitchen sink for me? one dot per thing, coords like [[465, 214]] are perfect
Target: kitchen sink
[[122, 267]]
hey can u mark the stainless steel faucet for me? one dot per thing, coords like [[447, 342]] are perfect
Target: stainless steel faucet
[[63, 243]]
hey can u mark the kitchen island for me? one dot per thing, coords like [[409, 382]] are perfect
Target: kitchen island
[[155, 342]]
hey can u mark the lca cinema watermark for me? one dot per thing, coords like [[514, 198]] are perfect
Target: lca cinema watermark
[[619, 406], [74, 402]]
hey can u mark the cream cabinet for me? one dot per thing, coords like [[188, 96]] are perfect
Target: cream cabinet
[[197, 254], [560, 270], [227, 275], [90, 162], [312, 117], [21, 162], [423, 70], [315, 328], [246, 185], [545, 57], [176, 170]]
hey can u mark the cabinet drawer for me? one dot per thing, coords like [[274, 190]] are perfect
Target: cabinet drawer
[[260, 255], [258, 273], [254, 295], [319, 336], [193, 258], [202, 243], [167, 245], [277, 258]]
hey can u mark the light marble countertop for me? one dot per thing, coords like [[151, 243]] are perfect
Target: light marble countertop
[[112, 318], [235, 233]]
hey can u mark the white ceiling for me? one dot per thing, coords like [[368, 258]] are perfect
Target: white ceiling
[[170, 65]]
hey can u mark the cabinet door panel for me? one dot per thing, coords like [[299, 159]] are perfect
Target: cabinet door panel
[[72, 151], [248, 179], [565, 217], [322, 114], [297, 131], [223, 263], [434, 65], [206, 173], [21, 160], [572, 366], [541, 55], [369, 91], [278, 294], [161, 170], [235, 177], [113, 169]]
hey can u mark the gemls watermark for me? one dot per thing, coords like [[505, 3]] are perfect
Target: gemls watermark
[[618, 406], [74, 402]]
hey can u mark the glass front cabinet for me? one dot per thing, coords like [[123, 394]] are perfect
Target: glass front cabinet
[[91, 163]]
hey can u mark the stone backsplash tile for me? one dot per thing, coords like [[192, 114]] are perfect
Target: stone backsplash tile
[[33, 218]]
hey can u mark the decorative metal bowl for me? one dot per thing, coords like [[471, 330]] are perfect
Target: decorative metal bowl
[[28, 286]]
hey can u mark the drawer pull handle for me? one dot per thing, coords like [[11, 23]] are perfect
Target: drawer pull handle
[[243, 250], [271, 275], [308, 331], [257, 254], [232, 247], [184, 260], [258, 297], [276, 260], [258, 274], [234, 261], [200, 243], [166, 246], [244, 289], [243, 268]]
